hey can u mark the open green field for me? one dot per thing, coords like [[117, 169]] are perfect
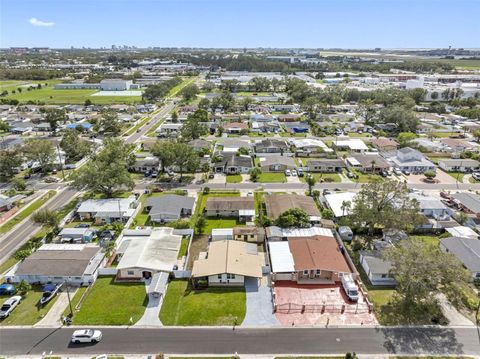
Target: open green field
[[212, 306], [29, 311], [111, 303]]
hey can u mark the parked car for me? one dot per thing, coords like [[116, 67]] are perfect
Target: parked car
[[406, 172], [384, 174], [7, 289], [350, 175], [294, 173], [82, 225], [86, 336], [288, 173], [300, 172], [51, 179], [476, 175], [397, 171], [9, 305]]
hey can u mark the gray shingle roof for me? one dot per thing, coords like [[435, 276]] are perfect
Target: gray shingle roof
[[169, 204], [468, 200], [465, 249], [376, 264]]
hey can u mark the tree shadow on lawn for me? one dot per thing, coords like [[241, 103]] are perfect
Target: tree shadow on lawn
[[397, 312]]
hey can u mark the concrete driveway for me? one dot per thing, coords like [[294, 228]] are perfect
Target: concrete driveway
[[150, 316], [259, 304]]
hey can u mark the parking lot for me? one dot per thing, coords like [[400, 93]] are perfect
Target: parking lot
[[320, 305]]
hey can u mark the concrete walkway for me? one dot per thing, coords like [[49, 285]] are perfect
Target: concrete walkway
[[54, 315], [451, 313], [259, 304], [152, 311], [466, 178]]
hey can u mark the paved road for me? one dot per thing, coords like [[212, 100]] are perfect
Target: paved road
[[402, 341], [156, 118], [13, 240]]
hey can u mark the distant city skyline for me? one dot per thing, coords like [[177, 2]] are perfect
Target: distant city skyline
[[240, 23]]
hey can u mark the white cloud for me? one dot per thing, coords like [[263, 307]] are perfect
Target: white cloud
[[36, 22]]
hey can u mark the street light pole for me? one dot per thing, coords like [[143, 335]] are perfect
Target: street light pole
[[69, 300]]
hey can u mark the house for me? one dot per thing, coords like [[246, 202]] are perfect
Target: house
[[274, 233], [350, 145], [385, 144], [230, 163], [228, 263], [277, 163], [376, 268], [468, 202], [309, 146], [232, 145], [456, 145], [145, 164], [297, 127], [368, 163], [170, 207], [277, 204], [107, 210], [460, 165], [58, 263], [200, 144], [426, 145], [408, 159], [143, 253], [462, 232], [222, 234], [235, 127], [326, 165], [248, 234], [242, 208], [432, 207], [169, 129], [314, 260], [76, 235], [340, 203], [467, 251], [271, 145]]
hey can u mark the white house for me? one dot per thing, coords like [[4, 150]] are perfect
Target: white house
[[408, 159], [376, 268], [222, 234], [459, 165], [107, 210], [351, 145]]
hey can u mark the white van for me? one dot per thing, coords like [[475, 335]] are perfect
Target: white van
[[350, 287]]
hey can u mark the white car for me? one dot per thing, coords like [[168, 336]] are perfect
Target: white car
[[9, 305], [86, 336], [288, 173], [476, 175], [397, 171], [294, 173]]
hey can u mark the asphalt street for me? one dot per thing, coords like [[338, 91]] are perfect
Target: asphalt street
[[14, 239], [397, 340], [156, 118]]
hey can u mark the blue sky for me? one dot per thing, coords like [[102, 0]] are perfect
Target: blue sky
[[241, 23]]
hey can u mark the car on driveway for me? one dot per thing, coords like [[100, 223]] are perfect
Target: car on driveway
[[7, 289], [288, 173], [294, 173], [86, 336], [9, 305], [476, 175], [397, 171]]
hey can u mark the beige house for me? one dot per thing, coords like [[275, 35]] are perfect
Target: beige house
[[227, 263], [249, 234]]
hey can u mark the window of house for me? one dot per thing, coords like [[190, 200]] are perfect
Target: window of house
[[130, 272], [317, 272], [232, 276], [219, 276], [305, 272], [384, 276]]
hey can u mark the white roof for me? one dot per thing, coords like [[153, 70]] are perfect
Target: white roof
[[157, 252], [310, 142], [75, 231], [222, 232], [246, 212], [108, 206], [353, 161], [352, 143], [62, 247], [281, 257], [463, 232], [306, 232], [335, 201]]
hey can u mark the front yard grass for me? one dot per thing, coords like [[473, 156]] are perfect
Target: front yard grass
[[366, 177], [272, 177], [110, 303], [324, 177], [75, 299], [212, 306], [28, 312], [234, 178], [458, 176]]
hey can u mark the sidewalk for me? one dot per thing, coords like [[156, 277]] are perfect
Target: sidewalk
[[54, 315]]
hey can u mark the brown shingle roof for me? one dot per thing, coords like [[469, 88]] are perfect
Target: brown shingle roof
[[276, 204], [229, 203], [319, 252]]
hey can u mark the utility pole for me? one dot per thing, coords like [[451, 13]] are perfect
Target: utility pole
[[69, 300], [60, 161]]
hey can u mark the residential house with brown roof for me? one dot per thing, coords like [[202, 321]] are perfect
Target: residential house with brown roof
[[276, 204], [385, 144], [242, 208], [277, 163]]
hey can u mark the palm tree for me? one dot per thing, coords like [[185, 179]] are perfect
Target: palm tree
[[373, 166], [346, 205], [311, 182]]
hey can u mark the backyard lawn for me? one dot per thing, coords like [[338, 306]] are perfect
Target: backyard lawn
[[28, 312], [111, 303], [213, 306], [234, 178], [183, 247], [272, 177]]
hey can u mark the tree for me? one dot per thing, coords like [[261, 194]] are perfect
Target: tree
[[4, 126], [195, 126], [189, 92], [461, 218], [21, 254], [403, 117], [109, 124], [23, 287], [88, 102], [294, 217], [310, 182], [422, 270], [53, 116], [10, 160], [255, 173], [384, 204], [163, 150], [368, 111], [19, 184], [327, 214], [200, 224], [74, 147], [107, 170], [185, 158], [204, 103], [418, 95], [434, 95], [174, 116], [41, 151], [46, 217], [430, 175], [476, 134], [405, 138]]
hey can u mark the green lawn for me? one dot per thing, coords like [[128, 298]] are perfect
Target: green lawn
[[234, 178], [272, 177], [432, 240], [366, 177], [213, 306], [110, 303], [139, 125], [28, 312], [26, 211], [324, 177], [183, 247], [221, 223], [458, 176], [75, 299]]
